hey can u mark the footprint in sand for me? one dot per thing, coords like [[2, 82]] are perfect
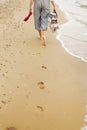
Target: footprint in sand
[[40, 108], [4, 75], [6, 72], [4, 94], [2, 86], [11, 128], [18, 86], [8, 45], [44, 67], [4, 102], [41, 85]]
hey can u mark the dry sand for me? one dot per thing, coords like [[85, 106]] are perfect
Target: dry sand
[[41, 88]]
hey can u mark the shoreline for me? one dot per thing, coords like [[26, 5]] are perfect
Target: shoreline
[[69, 52], [66, 20]]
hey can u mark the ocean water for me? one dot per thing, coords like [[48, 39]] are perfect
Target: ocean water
[[73, 34]]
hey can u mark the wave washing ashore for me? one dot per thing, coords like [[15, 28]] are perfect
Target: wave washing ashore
[[73, 34]]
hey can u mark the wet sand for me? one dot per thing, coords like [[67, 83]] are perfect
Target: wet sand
[[41, 88]]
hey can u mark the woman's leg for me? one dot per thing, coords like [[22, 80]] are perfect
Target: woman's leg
[[43, 38], [39, 31]]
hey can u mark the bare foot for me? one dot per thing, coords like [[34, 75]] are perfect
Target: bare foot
[[43, 41], [43, 44]]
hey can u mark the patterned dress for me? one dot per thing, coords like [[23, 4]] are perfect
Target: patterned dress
[[41, 14]]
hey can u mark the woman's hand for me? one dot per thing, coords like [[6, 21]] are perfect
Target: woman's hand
[[53, 4]]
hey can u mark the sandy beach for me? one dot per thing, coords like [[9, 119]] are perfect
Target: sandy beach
[[41, 88]]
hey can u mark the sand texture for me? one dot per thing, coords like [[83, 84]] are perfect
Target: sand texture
[[41, 88]]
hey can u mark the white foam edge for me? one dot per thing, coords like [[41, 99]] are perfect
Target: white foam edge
[[84, 128], [67, 50], [61, 41]]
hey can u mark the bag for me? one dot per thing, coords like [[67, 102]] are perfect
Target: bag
[[53, 20]]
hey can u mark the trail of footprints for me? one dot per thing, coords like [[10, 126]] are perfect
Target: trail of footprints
[[41, 86]]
